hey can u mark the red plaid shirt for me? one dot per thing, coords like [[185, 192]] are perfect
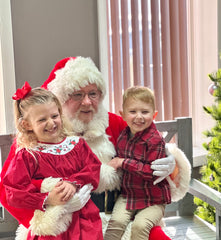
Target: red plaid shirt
[[139, 152]]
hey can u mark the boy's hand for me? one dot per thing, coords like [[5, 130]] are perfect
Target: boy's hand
[[116, 162]]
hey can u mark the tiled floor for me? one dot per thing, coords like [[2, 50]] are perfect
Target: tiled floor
[[188, 229]]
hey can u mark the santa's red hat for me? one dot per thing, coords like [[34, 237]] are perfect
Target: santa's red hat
[[69, 74]]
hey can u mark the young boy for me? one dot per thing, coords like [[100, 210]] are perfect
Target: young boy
[[138, 145]]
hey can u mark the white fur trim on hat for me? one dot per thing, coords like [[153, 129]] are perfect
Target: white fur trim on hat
[[76, 73]]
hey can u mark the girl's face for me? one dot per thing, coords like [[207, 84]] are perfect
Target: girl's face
[[45, 121], [138, 114]]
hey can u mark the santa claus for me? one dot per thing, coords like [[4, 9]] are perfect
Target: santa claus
[[79, 85]]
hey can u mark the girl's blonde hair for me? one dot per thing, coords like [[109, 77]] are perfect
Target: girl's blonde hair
[[141, 93], [26, 138]]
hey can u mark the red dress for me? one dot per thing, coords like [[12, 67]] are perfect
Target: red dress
[[71, 160]]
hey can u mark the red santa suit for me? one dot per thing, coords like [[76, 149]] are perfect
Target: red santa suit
[[102, 131]]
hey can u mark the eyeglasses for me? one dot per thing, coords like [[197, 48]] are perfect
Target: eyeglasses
[[79, 96]]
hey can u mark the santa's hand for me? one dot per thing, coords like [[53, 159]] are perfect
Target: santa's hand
[[79, 199], [163, 167]]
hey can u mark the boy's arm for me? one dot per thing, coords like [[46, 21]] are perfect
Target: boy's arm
[[155, 150]]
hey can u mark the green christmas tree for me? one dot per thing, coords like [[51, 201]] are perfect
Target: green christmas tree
[[211, 172]]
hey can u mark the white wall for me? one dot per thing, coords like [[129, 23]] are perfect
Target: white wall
[[45, 31], [204, 60], [35, 34], [7, 87]]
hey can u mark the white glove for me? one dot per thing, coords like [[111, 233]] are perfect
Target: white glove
[[79, 199], [163, 167]]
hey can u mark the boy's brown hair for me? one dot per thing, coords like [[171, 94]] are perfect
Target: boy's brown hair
[[141, 93]]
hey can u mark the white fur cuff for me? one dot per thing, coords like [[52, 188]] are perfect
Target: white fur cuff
[[180, 184], [109, 179]]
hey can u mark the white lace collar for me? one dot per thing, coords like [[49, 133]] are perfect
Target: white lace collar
[[59, 148]]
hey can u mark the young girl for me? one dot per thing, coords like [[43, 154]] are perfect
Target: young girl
[[47, 152]]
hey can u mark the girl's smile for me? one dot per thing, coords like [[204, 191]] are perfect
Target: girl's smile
[[45, 121]]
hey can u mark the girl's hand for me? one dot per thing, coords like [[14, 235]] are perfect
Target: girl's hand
[[61, 193], [66, 190]]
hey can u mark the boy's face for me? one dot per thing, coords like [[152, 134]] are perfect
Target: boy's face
[[138, 115]]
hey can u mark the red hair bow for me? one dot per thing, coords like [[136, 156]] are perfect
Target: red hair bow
[[21, 93]]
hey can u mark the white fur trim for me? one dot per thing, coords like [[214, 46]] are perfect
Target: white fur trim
[[46, 223], [53, 221], [76, 73], [49, 183], [110, 179], [180, 185], [56, 219], [21, 233]]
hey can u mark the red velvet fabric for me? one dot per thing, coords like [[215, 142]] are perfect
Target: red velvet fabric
[[18, 213]]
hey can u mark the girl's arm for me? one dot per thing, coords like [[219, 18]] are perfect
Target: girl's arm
[[20, 192]]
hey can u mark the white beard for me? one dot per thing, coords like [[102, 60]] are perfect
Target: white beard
[[95, 135]]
